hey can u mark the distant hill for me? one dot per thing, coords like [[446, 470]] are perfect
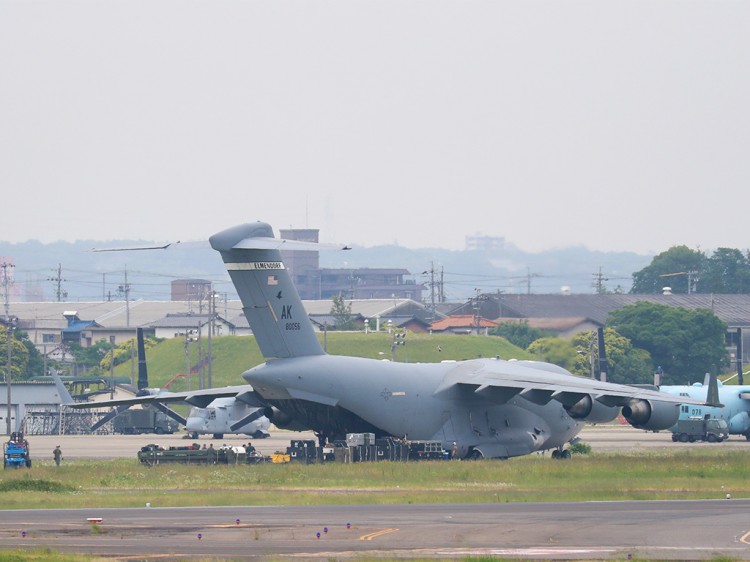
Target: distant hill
[[88, 276]]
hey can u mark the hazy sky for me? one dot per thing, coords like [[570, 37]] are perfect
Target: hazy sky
[[619, 125]]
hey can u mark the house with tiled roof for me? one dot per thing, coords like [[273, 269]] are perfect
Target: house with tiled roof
[[463, 324]]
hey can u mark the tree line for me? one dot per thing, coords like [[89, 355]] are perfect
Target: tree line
[[638, 339], [725, 271]]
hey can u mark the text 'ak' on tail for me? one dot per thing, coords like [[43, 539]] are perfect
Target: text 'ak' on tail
[[270, 301]]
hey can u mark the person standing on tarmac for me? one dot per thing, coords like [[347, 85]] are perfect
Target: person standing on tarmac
[[57, 454]]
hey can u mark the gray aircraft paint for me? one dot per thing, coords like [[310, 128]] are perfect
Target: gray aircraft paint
[[496, 407], [490, 407]]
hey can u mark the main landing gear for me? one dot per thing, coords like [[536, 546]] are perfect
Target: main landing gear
[[561, 453]]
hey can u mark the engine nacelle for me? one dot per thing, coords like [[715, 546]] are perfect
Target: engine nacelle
[[739, 423], [588, 409], [283, 420], [651, 415]]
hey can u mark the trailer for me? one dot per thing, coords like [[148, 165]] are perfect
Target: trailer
[[153, 454]]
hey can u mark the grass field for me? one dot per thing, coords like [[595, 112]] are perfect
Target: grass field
[[126, 483]]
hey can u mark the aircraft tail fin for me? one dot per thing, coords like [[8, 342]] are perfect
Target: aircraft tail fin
[[65, 398], [270, 301], [142, 368], [712, 394]]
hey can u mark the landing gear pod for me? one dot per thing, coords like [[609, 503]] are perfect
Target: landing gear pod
[[650, 415]]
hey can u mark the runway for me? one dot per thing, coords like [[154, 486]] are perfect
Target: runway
[[665, 530]]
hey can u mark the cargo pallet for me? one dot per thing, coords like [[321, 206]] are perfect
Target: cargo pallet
[[153, 454]]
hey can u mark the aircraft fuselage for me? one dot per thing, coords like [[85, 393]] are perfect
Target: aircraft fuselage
[[336, 395]]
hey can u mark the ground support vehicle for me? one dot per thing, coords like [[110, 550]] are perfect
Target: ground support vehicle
[[146, 420], [16, 453], [713, 430]]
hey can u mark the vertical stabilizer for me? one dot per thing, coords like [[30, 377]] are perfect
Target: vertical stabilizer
[[142, 369], [269, 299], [712, 394], [603, 365], [65, 398]]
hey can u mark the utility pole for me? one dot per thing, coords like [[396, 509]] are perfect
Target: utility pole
[[598, 284], [211, 316], [58, 282], [690, 279], [5, 266], [125, 289], [529, 276]]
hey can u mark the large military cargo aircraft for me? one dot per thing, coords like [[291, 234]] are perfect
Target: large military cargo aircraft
[[489, 408]]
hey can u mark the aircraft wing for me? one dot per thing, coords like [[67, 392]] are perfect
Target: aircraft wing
[[542, 382], [199, 398]]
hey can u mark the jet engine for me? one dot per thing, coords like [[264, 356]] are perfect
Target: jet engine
[[283, 420], [588, 409], [651, 415]]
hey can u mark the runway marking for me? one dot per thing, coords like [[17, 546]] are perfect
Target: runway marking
[[744, 538], [377, 534]]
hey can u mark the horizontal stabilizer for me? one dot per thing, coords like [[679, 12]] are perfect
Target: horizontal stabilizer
[[264, 243]]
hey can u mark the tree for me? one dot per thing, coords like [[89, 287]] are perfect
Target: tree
[[554, 350], [727, 271], [125, 352], [90, 358], [685, 343], [19, 355], [519, 334], [342, 314], [688, 264], [626, 364]]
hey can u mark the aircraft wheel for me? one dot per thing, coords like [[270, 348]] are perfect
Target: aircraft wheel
[[565, 454], [683, 438], [747, 436], [555, 454], [218, 436], [476, 455]]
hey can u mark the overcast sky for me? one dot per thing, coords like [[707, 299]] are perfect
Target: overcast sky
[[618, 125]]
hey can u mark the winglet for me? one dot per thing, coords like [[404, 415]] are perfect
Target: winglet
[[712, 394], [65, 397]]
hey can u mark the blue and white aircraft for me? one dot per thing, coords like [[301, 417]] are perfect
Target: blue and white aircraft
[[734, 403]]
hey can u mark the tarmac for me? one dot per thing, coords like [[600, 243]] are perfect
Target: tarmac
[[600, 438]]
